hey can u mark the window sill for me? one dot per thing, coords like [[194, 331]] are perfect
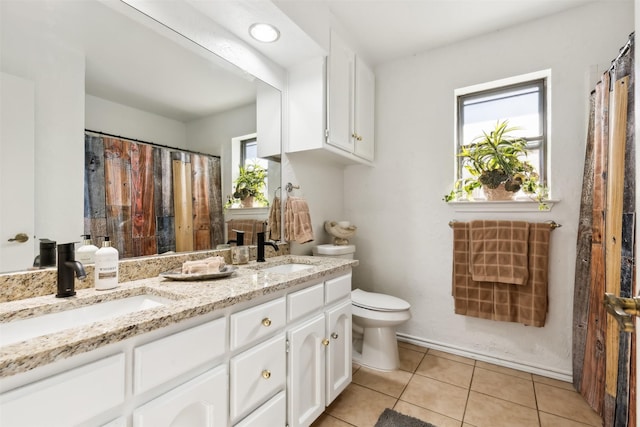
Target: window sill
[[501, 206]]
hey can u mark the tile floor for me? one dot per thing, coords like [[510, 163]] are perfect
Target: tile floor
[[452, 391]]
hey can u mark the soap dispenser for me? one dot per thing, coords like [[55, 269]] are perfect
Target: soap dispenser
[[86, 252], [106, 266]]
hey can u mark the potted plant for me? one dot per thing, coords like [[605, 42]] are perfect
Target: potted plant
[[497, 163], [250, 185]]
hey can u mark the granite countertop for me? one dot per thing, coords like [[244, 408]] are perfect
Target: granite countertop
[[189, 299]]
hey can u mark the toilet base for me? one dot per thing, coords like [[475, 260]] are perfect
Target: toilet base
[[379, 349]]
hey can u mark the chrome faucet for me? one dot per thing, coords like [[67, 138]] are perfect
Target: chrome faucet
[[67, 267], [261, 245]]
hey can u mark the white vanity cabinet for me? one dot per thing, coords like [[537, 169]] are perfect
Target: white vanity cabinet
[[69, 398], [320, 354], [200, 402]]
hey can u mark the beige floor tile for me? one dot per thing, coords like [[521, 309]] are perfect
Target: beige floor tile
[[354, 368], [552, 381], [412, 347], [437, 396], [549, 420], [391, 383], [409, 359], [450, 356], [503, 370], [503, 386], [565, 403], [487, 411], [446, 370], [326, 420], [360, 406], [425, 415]]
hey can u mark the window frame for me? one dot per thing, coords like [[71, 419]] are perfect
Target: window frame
[[541, 80]]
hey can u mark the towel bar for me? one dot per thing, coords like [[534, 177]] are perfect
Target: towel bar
[[552, 224]]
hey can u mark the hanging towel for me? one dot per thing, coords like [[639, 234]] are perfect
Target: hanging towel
[[499, 251], [274, 220], [526, 304], [250, 227], [297, 219]]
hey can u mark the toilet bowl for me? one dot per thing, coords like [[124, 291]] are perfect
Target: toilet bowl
[[375, 318]]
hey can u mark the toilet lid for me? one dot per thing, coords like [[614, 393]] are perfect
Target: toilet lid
[[378, 302]]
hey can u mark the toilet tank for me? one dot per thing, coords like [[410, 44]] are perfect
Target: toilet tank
[[335, 251]]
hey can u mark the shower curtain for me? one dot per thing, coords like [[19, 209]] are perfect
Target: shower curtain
[[604, 368]]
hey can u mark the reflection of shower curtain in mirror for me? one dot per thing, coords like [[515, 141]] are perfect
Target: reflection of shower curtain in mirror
[[129, 196]]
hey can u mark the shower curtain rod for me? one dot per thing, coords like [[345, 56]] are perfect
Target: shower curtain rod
[[150, 143], [552, 224], [623, 51]]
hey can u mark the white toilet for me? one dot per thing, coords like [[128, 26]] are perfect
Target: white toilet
[[375, 318]]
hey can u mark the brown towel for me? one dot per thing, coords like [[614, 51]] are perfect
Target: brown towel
[[525, 304], [273, 224], [498, 251], [250, 227], [297, 225]]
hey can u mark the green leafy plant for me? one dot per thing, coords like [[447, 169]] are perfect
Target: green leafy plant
[[250, 183], [495, 158]]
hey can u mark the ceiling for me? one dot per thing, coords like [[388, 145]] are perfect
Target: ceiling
[[383, 29]]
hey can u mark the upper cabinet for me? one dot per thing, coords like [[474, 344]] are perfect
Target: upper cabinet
[[331, 106], [350, 106]]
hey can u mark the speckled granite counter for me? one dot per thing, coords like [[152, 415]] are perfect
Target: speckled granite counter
[[189, 299]]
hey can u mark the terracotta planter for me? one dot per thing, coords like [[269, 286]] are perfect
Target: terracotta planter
[[247, 202], [498, 193]]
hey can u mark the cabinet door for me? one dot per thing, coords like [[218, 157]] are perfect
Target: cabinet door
[[272, 414], [364, 111], [338, 321], [201, 402], [306, 372], [340, 94]]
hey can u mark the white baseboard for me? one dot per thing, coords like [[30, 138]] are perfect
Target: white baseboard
[[538, 370]]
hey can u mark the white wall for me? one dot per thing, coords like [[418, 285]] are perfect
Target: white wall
[[110, 117], [213, 135], [403, 240]]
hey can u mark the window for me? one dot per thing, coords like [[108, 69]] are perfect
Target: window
[[522, 103]]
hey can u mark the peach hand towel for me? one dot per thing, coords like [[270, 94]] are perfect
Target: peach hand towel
[[273, 224], [297, 221], [499, 251]]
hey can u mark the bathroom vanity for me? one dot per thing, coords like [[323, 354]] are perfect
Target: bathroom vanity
[[269, 345]]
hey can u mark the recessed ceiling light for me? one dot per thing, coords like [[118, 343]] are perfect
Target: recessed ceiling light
[[266, 33]]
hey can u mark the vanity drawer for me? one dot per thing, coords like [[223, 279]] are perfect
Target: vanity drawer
[[338, 288], [257, 374], [254, 323], [305, 301], [273, 413], [69, 398], [164, 359]]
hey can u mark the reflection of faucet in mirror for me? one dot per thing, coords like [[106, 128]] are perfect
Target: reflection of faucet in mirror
[[239, 240], [261, 245], [67, 267]]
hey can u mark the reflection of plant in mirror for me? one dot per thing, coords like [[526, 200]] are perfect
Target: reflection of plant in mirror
[[250, 183]]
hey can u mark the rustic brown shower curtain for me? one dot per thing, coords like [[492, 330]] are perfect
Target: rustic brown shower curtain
[[603, 356], [130, 196]]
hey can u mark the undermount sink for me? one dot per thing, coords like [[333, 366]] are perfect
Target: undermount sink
[[287, 268], [24, 329]]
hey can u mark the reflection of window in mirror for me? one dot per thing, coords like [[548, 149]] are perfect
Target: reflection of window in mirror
[[245, 152]]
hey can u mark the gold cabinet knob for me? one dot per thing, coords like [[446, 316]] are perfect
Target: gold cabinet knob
[[266, 374], [359, 138], [266, 322], [354, 135], [325, 342], [334, 336]]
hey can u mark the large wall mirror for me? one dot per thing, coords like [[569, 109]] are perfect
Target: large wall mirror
[[69, 66]]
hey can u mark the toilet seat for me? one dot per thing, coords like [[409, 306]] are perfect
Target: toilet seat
[[378, 302]]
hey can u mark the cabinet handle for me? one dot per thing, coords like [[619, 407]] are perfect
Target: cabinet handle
[[334, 336], [359, 138], [20, 238], [325, 342], [266, 374], [354, 135], [266, 322]]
